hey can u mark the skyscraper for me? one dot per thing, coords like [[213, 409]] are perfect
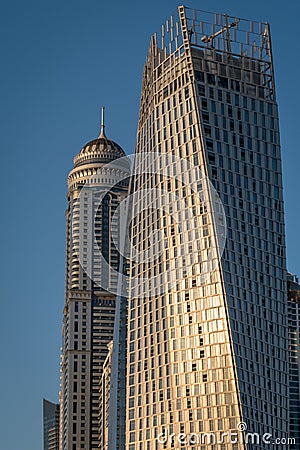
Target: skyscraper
[[104, 399], [92, 260], [51, 425], [294, 348], [207, 336]]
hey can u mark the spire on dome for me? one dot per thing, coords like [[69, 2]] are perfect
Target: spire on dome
[[100, 150], [102, 132]]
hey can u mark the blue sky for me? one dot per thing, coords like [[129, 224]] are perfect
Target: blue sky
[[60, 62]]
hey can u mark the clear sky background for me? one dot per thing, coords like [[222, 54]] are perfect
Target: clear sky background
[[62, 60]]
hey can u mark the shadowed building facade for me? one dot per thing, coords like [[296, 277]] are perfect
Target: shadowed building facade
[[104, 399], [294, 349], [51, 425]]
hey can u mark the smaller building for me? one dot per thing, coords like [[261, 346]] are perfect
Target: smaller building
[[51, 425], [104, 399], [294, 346]]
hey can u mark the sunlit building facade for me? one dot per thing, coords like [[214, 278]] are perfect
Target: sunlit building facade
[[207, 335], [92, 261]]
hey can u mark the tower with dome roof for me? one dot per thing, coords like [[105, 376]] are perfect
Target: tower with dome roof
[[92, 260]]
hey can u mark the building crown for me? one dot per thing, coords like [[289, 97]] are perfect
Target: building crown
[[100, 150]]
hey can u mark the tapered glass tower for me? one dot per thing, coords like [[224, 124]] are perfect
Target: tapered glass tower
[[207, 341], [93, 235]]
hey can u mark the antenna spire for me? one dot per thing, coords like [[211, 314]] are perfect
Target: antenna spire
[[102, 132]]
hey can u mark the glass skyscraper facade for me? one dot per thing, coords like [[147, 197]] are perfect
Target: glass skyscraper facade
[[206, 316], [51, 425], [294, 347]]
